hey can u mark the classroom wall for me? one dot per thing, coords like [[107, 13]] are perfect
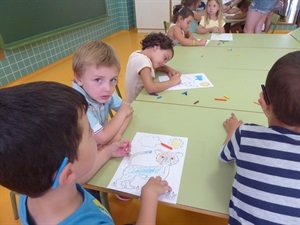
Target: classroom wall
[[22, 61]]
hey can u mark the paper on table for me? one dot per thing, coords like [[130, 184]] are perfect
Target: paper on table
[[152, 155], [221, 37], [207, 41], [189, 81]]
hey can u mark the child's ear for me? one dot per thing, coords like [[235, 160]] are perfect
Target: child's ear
[[265, 107], [67, 175], [77, 80]]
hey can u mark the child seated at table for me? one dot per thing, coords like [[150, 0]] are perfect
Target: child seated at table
[[266, 188], [96, 68], [198, 13], [47, 150], [212, 21], [179, 29], [239, 12], [157, 50]]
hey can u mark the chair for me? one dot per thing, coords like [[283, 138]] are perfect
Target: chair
[[111, 114], [13, 201], [166, 26], [274, 22]]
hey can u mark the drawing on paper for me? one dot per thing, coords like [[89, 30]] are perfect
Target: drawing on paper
[[164, 159], [189, 81], [151, 156]]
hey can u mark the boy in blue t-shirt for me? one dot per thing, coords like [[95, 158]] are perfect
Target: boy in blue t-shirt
[[48, 149]]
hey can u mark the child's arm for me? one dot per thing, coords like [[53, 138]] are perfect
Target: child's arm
[[118, 136], [187, 41], [116, 149], [149, 200], [153, 87], [203, 30], [230, 125], [115, 124]]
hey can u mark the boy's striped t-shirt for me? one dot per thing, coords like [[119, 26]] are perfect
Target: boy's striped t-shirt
[[266, 187]]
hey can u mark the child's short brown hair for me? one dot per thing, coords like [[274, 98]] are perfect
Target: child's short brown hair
[[94, 53], [283, 88]]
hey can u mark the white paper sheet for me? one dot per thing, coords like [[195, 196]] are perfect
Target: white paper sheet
[[189, 81], [221, 37], [151, 156]]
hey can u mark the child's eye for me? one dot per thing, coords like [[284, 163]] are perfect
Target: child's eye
[[98, 80], [114, 80]]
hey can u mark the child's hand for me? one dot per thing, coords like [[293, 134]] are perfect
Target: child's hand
[[155, 187], [173, 73], [201, 42], [175, 79], [126, 108], [120, 148], [214, 30], [231, 124]]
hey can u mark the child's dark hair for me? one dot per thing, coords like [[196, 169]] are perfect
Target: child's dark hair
[[157, 39], [189, 3], [283, 88], [184, 12], [38, 127]]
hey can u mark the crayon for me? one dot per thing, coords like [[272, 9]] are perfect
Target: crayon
[[166, 146]]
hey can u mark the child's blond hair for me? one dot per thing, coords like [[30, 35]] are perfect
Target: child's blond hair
[[94, 53], [219, 13]]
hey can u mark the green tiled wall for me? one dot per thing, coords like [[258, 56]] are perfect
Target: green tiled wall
[[22, 61]]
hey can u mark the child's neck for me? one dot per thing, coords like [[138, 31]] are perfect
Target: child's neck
[[274, 122], [213, 17], [55, 205]]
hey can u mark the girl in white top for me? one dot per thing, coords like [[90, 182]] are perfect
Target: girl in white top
[[157, 50], [179, 31], [213, 21]]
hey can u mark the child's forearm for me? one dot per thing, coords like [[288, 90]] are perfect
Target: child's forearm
[[159, 86], [148, 209], [110, 129], [124, 126]]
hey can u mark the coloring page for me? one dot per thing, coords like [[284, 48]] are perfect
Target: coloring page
[[189, 81], [221, 37], [152, 155]]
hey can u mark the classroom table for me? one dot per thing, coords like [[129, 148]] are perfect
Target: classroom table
[[242, 58], [241, 86], [205, 183], [273, 41], [296, 34]]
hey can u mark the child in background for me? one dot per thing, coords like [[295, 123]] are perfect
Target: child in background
[[240, 12], [96, 68], [52, 152], [193, 5], [266, 188], [179, 30], [213, 21], [157, 50]]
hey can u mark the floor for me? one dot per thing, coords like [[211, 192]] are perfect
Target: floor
[[124, 43]]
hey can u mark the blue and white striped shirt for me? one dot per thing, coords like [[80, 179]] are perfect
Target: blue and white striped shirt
[[266, 188]]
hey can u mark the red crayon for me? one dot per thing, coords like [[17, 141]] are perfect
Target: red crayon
[[166, 146]]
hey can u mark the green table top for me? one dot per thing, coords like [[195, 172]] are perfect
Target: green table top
[[273, 41], [241, 86], [296, 34], [206, 183], [226, 58]]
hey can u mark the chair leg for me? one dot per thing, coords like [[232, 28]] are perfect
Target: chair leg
[[118, 91], [14, 204], [104, 200]]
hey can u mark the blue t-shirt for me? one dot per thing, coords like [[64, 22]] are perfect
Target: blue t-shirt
[[90, 212]]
